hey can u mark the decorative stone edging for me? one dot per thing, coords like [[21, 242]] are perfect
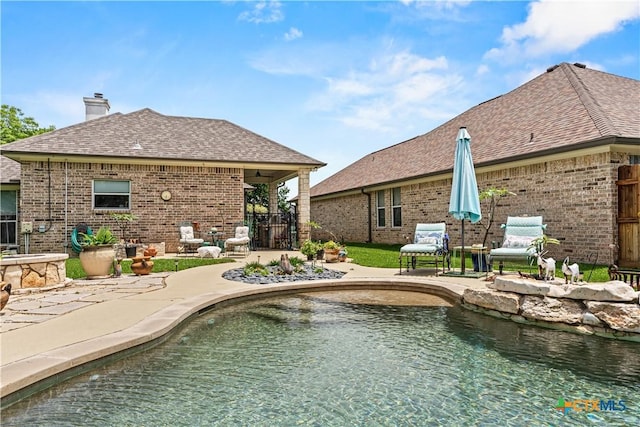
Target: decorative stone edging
[[610, 310]]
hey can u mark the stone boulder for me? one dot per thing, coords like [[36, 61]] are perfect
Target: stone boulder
[[618, 316], [520, 286], [610, 291], [487, 298], [552, 309]]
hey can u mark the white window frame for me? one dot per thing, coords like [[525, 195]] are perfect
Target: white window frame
[[9, 219], [396, 206], [95, 194], [381, 209]]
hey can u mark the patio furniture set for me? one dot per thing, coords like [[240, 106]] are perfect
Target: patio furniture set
[[431, 245], [189, 243]]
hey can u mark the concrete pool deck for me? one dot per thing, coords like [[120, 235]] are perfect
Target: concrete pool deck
[[45, 334]]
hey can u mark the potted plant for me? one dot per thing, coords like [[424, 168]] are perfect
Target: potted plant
[[98, 253], [309, 248], [540, 242], [342, 254], [490, 198], [331, 251], [124, 220]]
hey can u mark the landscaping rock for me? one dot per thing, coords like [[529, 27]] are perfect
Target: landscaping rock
[[520, 286], [618, 316], [276, 275], [494, 300], [552, 309]]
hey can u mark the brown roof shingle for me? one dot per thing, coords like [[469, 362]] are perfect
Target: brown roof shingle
[[9, 171], [161, 137], [563, 107]]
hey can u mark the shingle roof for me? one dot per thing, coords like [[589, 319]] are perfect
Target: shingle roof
[[161, 137], [9, 171], [565, 106]]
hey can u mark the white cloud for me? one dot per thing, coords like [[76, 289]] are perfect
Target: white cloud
[[562, 26], [391, 86], [482, 69], [292, 34], [263, 12], [437, 4]]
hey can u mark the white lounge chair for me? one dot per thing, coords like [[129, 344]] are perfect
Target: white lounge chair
[[240, 242], [430, 242], [519, 232], [188, 242]]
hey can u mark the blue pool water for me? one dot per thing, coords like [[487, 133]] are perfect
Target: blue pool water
[[314, 360]]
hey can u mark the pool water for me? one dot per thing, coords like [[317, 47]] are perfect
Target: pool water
[[317, 360]]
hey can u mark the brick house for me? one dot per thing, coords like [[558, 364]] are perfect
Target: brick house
[[559, 142], [163, 169]]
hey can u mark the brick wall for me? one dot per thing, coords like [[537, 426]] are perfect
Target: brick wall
[[576, 198], [344, 216], [211, 196]]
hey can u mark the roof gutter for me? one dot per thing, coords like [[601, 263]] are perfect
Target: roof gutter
[[88, 158]]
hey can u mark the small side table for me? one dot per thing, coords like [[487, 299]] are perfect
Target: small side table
[[217, 238]]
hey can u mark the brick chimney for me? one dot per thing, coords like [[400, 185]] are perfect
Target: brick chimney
[[96, 107]]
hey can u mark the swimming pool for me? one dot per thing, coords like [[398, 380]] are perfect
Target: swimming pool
[[323, 359]]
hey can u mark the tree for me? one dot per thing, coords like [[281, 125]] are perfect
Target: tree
[[260, 197], [492, 197], [15, 126]]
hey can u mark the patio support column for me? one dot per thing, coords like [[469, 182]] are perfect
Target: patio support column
[[273, 198], [304, 205]]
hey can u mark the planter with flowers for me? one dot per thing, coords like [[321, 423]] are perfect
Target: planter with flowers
[[331, 251]]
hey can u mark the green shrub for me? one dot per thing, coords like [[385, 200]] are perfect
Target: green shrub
[[331, 245], [255, 268], [104, 236]]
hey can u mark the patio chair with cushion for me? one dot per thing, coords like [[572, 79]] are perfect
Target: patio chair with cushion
[[188, 242], [240, 241], [430, 243], [519, 232]]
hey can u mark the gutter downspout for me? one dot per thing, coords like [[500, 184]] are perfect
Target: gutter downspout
[[370, 238], [66, 207]]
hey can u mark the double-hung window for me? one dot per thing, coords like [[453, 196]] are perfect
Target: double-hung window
[[380, 209], [396, 208], [9, 218], [111, 195]]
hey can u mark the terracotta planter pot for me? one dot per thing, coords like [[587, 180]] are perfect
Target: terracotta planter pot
[[142, 265], [97, 261], [150, 252], [331, 255]]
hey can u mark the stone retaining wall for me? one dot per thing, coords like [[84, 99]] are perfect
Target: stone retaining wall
[[610, 310], [34, 271]]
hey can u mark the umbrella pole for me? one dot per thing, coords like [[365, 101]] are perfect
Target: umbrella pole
[[462, 263]]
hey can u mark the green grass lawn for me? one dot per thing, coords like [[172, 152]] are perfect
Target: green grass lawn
[[365, 254], [75, 271], [386, 256]]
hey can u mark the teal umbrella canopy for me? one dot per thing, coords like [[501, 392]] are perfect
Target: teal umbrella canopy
[[465, 201]]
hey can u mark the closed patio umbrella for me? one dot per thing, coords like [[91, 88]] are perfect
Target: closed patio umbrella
[[465, 201]]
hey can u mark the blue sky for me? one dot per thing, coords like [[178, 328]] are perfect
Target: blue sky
[[333, 80]]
